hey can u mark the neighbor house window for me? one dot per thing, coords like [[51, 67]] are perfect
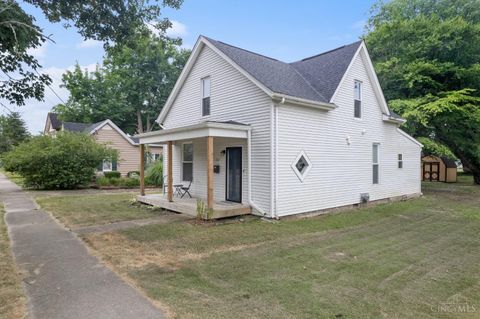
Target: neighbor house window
[[357, 99], [206, 96], [187, 162], [375, 162], [107, 166], [301, 166], [400, 160]]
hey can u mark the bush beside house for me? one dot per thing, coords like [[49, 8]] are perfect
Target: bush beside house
[[67, 161]]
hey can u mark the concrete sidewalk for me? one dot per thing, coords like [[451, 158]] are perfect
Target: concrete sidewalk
[[62, 279]]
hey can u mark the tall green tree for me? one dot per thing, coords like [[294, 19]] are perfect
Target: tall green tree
[[131, 86], [427, 56], [110, 21], [13, 131]]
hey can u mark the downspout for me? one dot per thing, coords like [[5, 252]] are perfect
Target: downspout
[[276, 159], [249, 168], [273, 213]]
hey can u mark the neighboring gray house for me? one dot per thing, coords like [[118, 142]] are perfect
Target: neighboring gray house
[[284, 138], [108, 133]]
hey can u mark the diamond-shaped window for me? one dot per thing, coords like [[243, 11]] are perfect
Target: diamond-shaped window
[[302, 165]]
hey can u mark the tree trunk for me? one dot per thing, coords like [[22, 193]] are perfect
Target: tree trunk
[[139, 122], [470, 164], [149, 126]]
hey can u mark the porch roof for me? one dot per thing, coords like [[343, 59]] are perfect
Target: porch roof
[[209, 128]]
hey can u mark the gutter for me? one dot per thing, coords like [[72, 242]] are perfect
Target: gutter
[[282, 98]]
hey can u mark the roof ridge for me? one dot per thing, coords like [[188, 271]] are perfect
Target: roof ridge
[[255, 53], [306, 81], [326, 52]]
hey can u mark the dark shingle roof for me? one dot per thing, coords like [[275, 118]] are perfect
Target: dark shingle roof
[[54, 121], [325, 71], [75, 127], [450, 163], [314, 78]]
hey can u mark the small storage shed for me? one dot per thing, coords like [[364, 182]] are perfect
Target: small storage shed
[[439, 169]]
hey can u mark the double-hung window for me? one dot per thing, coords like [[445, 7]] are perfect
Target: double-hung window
[[375, 162], [187, 162], [206, 96], [357, 96], [400, 160]]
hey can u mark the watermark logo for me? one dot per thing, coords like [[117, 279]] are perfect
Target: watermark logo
[[456, 304]]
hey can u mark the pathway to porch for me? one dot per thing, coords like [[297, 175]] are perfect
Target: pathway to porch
[[189, 206]]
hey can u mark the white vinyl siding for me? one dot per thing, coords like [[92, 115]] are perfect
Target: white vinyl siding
[[340, 150], [233, 98]]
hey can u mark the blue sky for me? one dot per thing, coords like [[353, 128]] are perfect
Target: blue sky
[[286, 30]]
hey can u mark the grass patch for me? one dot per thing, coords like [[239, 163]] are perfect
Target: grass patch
[[400, 260], [85, 210], [12, 301]]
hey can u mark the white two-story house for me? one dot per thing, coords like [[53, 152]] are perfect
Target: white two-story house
[[283, 138]]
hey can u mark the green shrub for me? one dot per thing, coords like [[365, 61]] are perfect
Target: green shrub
[[102, 181], [154, 174], [112, 174], [65, 162], [131, 182], [133, 174], [115, 181]]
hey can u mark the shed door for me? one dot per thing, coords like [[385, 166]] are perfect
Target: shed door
[[431, 171]]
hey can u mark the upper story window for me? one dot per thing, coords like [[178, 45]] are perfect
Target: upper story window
[[400, 160], [357, 96], [206, 96]]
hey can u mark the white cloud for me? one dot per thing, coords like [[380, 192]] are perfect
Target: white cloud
[[38, 52], [89, 43], [35, 112], [177, 29]]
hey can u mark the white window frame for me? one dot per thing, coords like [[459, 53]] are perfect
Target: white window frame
[[108, 169], [400, 160], [202, 83], [301, 176], [377, 163], [183, 159], [360, 98]]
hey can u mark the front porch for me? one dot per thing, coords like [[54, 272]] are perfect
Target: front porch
[[221, 209], [211, 160]]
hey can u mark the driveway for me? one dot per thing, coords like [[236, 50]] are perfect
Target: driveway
[[62, 280]]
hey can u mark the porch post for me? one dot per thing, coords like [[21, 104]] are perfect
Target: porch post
[[170, 172], [210, 172], [142, 169]]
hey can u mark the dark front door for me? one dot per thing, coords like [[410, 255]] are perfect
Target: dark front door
[[431, 171], [234, 174]]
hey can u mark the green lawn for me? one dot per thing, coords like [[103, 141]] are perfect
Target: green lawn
[[85, 210], [12, 301], [399, 260]]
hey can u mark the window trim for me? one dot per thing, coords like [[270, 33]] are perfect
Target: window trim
[[202, 85], [355, 98], [377, 163], [400, 160], [301, 176], [187, 162], [103, 166]]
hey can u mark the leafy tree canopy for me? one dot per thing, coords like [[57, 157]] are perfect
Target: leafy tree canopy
[[427, 56], [425, 46], [110, 21], [13, 131], [131, 86]]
